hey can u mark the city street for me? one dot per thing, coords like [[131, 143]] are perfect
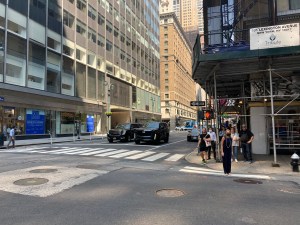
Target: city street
[[95, 182]]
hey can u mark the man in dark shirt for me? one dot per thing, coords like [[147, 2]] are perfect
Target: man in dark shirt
[[204, 141], [246, 138]]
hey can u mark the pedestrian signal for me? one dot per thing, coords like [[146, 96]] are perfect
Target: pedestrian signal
[[208, 115]]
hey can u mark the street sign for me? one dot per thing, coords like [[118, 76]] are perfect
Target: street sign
[[197, 103]]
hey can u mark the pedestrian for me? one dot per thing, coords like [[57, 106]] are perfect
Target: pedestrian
[[213, 142], [246, 138], [202, 144], [221, 133], [235, 143], [11, 137], [226, 150]]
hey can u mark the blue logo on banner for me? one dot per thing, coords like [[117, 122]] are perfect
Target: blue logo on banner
[[90, 124], [35, 122]]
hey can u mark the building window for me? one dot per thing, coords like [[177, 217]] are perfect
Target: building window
[[68, 19], [80, 28], [109, 46], [101, 40], [116, 32], [80, 80], [92, 35], [166, 96], [81, 5], [109, 27], [53, 72], [92, 13], [294, 4], [101, 20]]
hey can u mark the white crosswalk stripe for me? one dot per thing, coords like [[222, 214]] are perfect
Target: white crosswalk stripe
[[149, 156], [101, 151], [155, 157], [141, 155], [112, 153], [198, 170], [175, 157], [121, 155]]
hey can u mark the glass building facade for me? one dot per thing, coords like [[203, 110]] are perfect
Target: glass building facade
[[60, 58]]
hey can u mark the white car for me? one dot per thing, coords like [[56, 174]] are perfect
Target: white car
[[193, 134]]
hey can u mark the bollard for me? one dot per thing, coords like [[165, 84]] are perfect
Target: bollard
[[295, 162]]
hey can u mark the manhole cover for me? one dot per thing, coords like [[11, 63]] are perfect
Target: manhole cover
[[31, 181], [89, 166], [170, 193], [248, 181], [43, 171]]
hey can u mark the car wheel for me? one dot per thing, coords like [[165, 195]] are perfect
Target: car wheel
[[126, 138], [137, 142], [188, 138], [110, 140]]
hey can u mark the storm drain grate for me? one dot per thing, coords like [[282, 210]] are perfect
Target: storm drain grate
[[43, 171], [170, 193], [248, 181], [31, 181]]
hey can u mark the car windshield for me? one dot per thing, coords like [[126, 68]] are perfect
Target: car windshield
[[151, 125], [123, 126]]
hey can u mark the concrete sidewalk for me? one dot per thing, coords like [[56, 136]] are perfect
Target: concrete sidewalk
[[262, 165], [55, 140]]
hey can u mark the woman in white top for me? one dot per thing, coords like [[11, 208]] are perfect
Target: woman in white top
[[235, 143]]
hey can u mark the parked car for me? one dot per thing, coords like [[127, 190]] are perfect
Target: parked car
[[193, 134], [179, 128], [123, 132], [152, 132]]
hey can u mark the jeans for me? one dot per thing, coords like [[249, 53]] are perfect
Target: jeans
[[11, 140], [235, 151], [213, 148], [247, 151]]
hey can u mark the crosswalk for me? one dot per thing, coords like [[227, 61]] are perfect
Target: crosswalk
[[147, 156], [205, 171]]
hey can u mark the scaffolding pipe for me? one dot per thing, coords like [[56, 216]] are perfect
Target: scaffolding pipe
[[217, 117], [272, 116]]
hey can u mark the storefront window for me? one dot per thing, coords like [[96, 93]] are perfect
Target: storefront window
[[11, 116], [67, 123]]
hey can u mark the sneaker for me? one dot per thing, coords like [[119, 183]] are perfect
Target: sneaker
[[251, 161], [236, 160]]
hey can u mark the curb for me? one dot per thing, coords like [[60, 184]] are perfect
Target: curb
[[54, 142]]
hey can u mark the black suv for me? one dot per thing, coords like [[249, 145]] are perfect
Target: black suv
[[122, 132], [152, 132]]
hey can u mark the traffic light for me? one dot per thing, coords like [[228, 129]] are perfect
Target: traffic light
[[208, 114]]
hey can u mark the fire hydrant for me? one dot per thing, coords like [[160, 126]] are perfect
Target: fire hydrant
[[295, 162]]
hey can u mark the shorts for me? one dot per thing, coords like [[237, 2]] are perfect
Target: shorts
[[202, 149]]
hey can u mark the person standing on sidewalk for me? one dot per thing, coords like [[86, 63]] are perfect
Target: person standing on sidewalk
[[202, 146], [213, 142], [235, 143], [11, 137], [226, 150], [246, 138]]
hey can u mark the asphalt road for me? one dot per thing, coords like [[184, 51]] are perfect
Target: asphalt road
[[105, 190]]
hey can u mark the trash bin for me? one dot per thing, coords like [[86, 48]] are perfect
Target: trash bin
[[1, 139]]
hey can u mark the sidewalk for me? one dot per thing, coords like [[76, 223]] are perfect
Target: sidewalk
[[55, 140], [262, 165]]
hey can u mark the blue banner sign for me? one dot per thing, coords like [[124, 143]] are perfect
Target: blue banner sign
[[35, 122], [90, 127], [1, 99]]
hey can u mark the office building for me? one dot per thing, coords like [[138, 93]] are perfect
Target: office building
[[91, 63], [177, 85]]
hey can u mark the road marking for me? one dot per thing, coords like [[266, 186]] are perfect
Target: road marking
[[85, 151], [69, 151], [204, 171], [125, 154], [96, 151], [155, 157], [102, 151], [112, 153], [175, 157], [163, 145], [142, 155], [22, 149]]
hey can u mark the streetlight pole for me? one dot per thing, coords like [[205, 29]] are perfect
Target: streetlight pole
[[153, 100], [108, 113]]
